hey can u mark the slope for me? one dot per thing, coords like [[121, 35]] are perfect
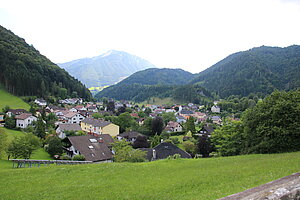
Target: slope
[[183, 179], [154, 82], [106, 69], [258, 70], [25, 72], [12, 101]]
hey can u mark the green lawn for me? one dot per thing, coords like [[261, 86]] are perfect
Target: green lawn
[[13, 102], [166, 179], [39, 154]]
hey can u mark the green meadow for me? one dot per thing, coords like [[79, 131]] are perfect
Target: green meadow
[[180, 179], [13, 102]]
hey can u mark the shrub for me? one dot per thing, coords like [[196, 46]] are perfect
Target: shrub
[[78, 157]]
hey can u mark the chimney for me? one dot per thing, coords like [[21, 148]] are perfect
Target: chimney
[[154, 154], [100, 140]]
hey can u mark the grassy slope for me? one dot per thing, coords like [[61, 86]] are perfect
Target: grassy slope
[[39, 154], [14, 102], [167, 179]]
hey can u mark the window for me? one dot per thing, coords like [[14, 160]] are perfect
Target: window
[[91, 147]]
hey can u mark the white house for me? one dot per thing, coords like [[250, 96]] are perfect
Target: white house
[[215, 109], [24, 120], [60, 131], [73, 117], [173, 127], [40, 102]]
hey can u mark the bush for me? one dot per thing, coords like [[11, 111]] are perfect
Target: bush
[[78, 157], [64, 156], [174, 157]]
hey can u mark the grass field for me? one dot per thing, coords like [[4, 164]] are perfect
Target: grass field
[[39, 154], [13, 102], [166, 179]]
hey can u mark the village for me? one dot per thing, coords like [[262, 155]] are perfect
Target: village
[[89, 129]]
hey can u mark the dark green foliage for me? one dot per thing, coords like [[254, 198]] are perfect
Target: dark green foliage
[[157, 125], [273, 126], [53, 146], [141, 142], [23, 146], [168, 116], [10, 122], [124, 120], [203, 146], [25, 72], [258, 70], [190, 125], [78, 157], [40, 127], [125, 153]]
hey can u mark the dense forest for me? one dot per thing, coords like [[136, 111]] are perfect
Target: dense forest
[[259, 70], [161, 83], [25, 72]]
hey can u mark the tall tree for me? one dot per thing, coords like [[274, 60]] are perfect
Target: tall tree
[[157, 125]]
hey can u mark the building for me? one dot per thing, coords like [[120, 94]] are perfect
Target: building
[[73, 117], [60, 130], [164, 150], [215, 109], [95, 149], [15, 112], [98, 127], [40, 102], [129, 136], [24, 120], [173, 127]]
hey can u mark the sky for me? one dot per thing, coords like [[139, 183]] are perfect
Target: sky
[[188, 34]]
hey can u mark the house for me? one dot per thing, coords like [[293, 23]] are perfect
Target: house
[[40, 102], [98, 127], [25, 119], [206, 130], [92, 109], [164, 150], [128, 136], [95, 149], [60, 130], [73, 117], [173, 127], [215, 109], [216, 120], [1, 118], [12, 112], [180, 119]]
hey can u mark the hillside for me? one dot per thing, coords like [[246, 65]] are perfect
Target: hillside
[[258, 70], [162, 83], [25, 72], [12, 101], [181, 179], [106, 69]]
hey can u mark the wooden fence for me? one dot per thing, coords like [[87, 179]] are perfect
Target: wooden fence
[[22, 163]]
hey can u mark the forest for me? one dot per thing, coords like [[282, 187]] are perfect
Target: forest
[[25, 72]]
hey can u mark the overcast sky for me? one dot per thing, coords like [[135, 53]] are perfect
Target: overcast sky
[[187, 34]]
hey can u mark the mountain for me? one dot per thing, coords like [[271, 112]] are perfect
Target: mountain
[[155, 82], [259, 70], [25, 72], [106, 69]]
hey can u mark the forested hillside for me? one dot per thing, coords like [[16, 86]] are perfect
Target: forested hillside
[[156, 83], [25, 72], [258, 70], [106, 69]]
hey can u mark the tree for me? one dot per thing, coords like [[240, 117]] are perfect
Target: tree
[[147, 111], [78, 157], [51, 119], [111, 106], [10, 122], [168, 116], [157, 125], [125, 120], [40, 128], [97, 115], [272, 126], [155, 140], [5, 109], [3, 142], [189, 147], [141, 142], [125, 153], [190, 125], [204, 147], [23, 146], [53, 146]]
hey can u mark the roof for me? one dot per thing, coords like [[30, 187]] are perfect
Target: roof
[[17, 111], [186, 112], [69, 127], [93, 151], [96, 122], [165, 149], [209, 129], [23, 116], [70, 114], [172, 124], [130, 134], [215, 118]]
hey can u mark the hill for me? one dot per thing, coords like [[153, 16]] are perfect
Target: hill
[[258, 70], [106, 69], [25, 72], [12, 101], [154, 82], [182, 179]]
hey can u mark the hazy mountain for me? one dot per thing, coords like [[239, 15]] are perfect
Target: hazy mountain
[[155, 82], [258, 70], [106, 69], [25, 72]]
